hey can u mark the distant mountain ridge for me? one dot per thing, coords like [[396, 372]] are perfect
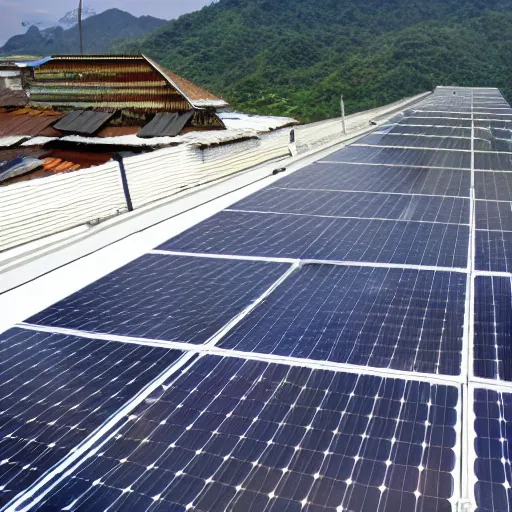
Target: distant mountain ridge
[[100, 32]]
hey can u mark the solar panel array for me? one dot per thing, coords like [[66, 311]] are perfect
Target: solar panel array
[[337, 341]]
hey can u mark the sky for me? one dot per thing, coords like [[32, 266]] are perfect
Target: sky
[[13, 12]]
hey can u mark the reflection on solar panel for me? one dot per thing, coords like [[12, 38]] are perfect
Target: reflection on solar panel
[[416, 157], [307, 237], [494, 251], [445, 210], [56, 390], [396, 180], [244, 436], [393, 318], [172, 298], [333, 327], [493, 415], [493, 328]]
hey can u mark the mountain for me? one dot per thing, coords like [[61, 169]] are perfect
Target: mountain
[[71, 18], [100, 31], [295, 57]]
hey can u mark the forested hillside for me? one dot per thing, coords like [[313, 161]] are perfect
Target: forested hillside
[[295, 57]]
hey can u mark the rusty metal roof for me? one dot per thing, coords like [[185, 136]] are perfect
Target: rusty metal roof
[[26, 122], [104, 83], [116, 81], [196, 95]]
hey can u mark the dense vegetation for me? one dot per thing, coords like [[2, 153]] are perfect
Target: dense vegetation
[[295, 57], [100, 32]]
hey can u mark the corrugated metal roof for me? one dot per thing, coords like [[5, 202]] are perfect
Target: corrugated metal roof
[[166, 124], [83, 122], [26, 122], [104, 83], [195, 94]]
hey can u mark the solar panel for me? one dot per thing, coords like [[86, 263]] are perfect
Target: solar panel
[[416, 157], [439, 131], [245, 436], [493, 328], [306, 237], [491, 215], [446, 210], [436, 121], [326, 352], [493, 161], [418, 141], [56, 390], [174, 298], [493, 251], [387, 318], [493, 415], [380, 178], [493, 186]]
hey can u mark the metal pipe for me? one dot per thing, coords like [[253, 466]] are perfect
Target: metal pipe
[[344, 127], [80, 27]]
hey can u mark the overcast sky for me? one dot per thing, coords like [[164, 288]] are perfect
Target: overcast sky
[[13, 12]]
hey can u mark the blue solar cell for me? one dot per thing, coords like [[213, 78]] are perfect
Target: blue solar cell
[[493, 415], [357, 204], [493, 162], [380, 178], [492, 215], [172, 298], [439, 131], [405, 157], [56, 390], [417, 141], [436, 121], [387, 318], [493, 186], [494, 251], [361, 460], [276, 235], [493, 328]]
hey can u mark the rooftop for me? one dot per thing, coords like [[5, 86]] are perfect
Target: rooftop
[[333, 337]]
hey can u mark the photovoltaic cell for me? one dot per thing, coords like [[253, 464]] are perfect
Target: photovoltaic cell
[[405, 157], [292, 236], [437, 111], [386, 318], [493, 328], [440, 131], [491, 215], [493, 185], [377, 178], [249, 436], [493, 417], [493, 251], [495, 116], [436, 121], [493, 161], [56, 390], [493, 124], [357, 204], [493, 144], [418, 141], [170, 298]]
